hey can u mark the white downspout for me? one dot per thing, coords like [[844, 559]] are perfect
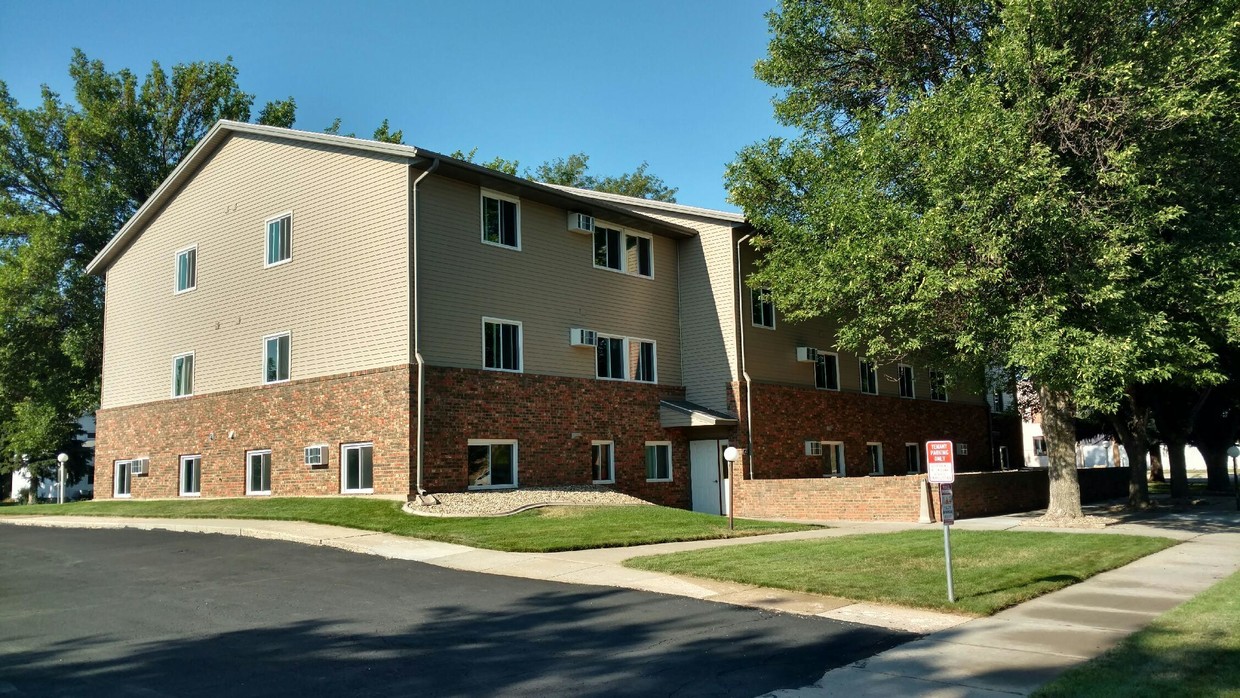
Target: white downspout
[[413, 289], [740, 326]]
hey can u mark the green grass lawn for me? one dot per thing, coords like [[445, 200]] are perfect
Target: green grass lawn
[[1193, 650], [992, 569], [538, 530]]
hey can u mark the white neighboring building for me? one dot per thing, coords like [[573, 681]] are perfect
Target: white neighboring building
[[49, 488], [1096, 454]]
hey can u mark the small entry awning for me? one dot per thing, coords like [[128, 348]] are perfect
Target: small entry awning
[[682, 413]]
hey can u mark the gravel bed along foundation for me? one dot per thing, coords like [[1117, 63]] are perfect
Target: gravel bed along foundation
[[504, 502]]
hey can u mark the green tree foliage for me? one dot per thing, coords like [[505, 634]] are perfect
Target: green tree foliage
[[71, 173], [497, 163], [574, 171], [1046, 186], [280, 113], [386, 135]]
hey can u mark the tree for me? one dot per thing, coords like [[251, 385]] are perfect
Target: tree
[[497, 163], [70, 175], [573, 171], [1045, 186], [282, 113], [386, 135]]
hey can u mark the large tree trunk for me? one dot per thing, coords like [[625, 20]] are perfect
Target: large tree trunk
[[1218, 465], [1178, 465], [1136, 445], [1060, 433], [1156, 464]]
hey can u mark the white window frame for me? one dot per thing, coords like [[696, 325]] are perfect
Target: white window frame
[[1039, 441], [181, 475], [625, 234], [901, 371], [344, 448], [258, 452], [516, 462], [753, 303], [267, 240], [881, 468], [176, 270], [962, 448], [624, 353], [268, 338], [118, 467], [996, 401], [822, 355], [937, 377], [861, 363], [843, 465], [323, 451], [485, 194], [193, 368], [520, 344], [670, 465], [654, 358], [914, 467], [611, 461]]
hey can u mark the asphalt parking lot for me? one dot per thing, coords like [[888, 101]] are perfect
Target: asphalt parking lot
[[155, 613]]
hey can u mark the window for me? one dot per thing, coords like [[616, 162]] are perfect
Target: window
[[357, 468], [183, 375], [642, 361], [276, 358], [833, 459], [122, 479], [658, 461], [603, 461], [906, 381], [763, 307], [827, 371], [626, 252], [501, 220], [610, 355], [258, 472], [187, 270], [315, 456], [191, 476], [1004, 462], [912, 457], [874, 454], [279, 240], [962, 449], [1039, 446], [869, 377], [501, 345], [492, 464], [996, 400], [938, 386]]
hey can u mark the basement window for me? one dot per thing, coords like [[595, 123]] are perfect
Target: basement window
[[492, 464]]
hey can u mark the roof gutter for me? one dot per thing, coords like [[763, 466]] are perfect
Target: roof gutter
[[740, 328], [413, 311]]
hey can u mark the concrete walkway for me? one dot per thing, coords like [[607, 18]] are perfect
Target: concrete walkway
[[1011, 653]]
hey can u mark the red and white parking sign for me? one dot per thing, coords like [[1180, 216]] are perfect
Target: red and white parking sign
[[940, 462]]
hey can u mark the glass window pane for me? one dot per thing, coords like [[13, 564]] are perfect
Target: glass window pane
[[508, 222], [512, 347], [490, 219], [651, 462], [284, 357], [616, 355], [479, 465], [503, 465], [630, 252], [269, 358], [645, 257], [352, 469], [273, 241], [600, 247], [367, 467], [613, 249], [192, 266]]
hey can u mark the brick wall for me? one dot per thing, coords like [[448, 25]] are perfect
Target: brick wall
[[554, 419], [367, 406], [786, 416], [899, 498]]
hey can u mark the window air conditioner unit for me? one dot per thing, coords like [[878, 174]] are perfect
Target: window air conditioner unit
[[142, 466], [578, 337], [813, 448], [962, 449], [316, 455], [807, 354], [581, 223]]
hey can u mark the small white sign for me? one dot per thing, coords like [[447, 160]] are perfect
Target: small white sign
[[940, 462], [947, 505]]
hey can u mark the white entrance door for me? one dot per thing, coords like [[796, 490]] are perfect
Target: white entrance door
[[708, 475]]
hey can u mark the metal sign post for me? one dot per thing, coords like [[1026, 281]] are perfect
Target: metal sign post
[[941, 470]]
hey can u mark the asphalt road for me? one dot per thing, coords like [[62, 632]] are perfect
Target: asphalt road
[[154, 613]]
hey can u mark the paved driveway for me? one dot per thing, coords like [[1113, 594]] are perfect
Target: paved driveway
[[153, 613]]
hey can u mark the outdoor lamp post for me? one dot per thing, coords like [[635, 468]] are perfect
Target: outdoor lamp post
[[62, 459], [730, 454], [1234, 452]]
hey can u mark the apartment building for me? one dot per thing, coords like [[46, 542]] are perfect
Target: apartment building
[[296, 313]]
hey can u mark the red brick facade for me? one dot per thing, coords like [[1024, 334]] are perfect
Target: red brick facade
[[785, 417], [368, 406], [554, 419]]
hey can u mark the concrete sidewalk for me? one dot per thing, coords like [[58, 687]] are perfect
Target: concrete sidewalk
[[1011, 653]]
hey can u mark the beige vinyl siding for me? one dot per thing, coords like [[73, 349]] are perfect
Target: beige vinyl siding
[[343, 296], [770, 355], [550, 286]]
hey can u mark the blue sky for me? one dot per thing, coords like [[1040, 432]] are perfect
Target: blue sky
[[669, 82]]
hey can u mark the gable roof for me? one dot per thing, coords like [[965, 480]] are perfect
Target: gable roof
[[560, 197]]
